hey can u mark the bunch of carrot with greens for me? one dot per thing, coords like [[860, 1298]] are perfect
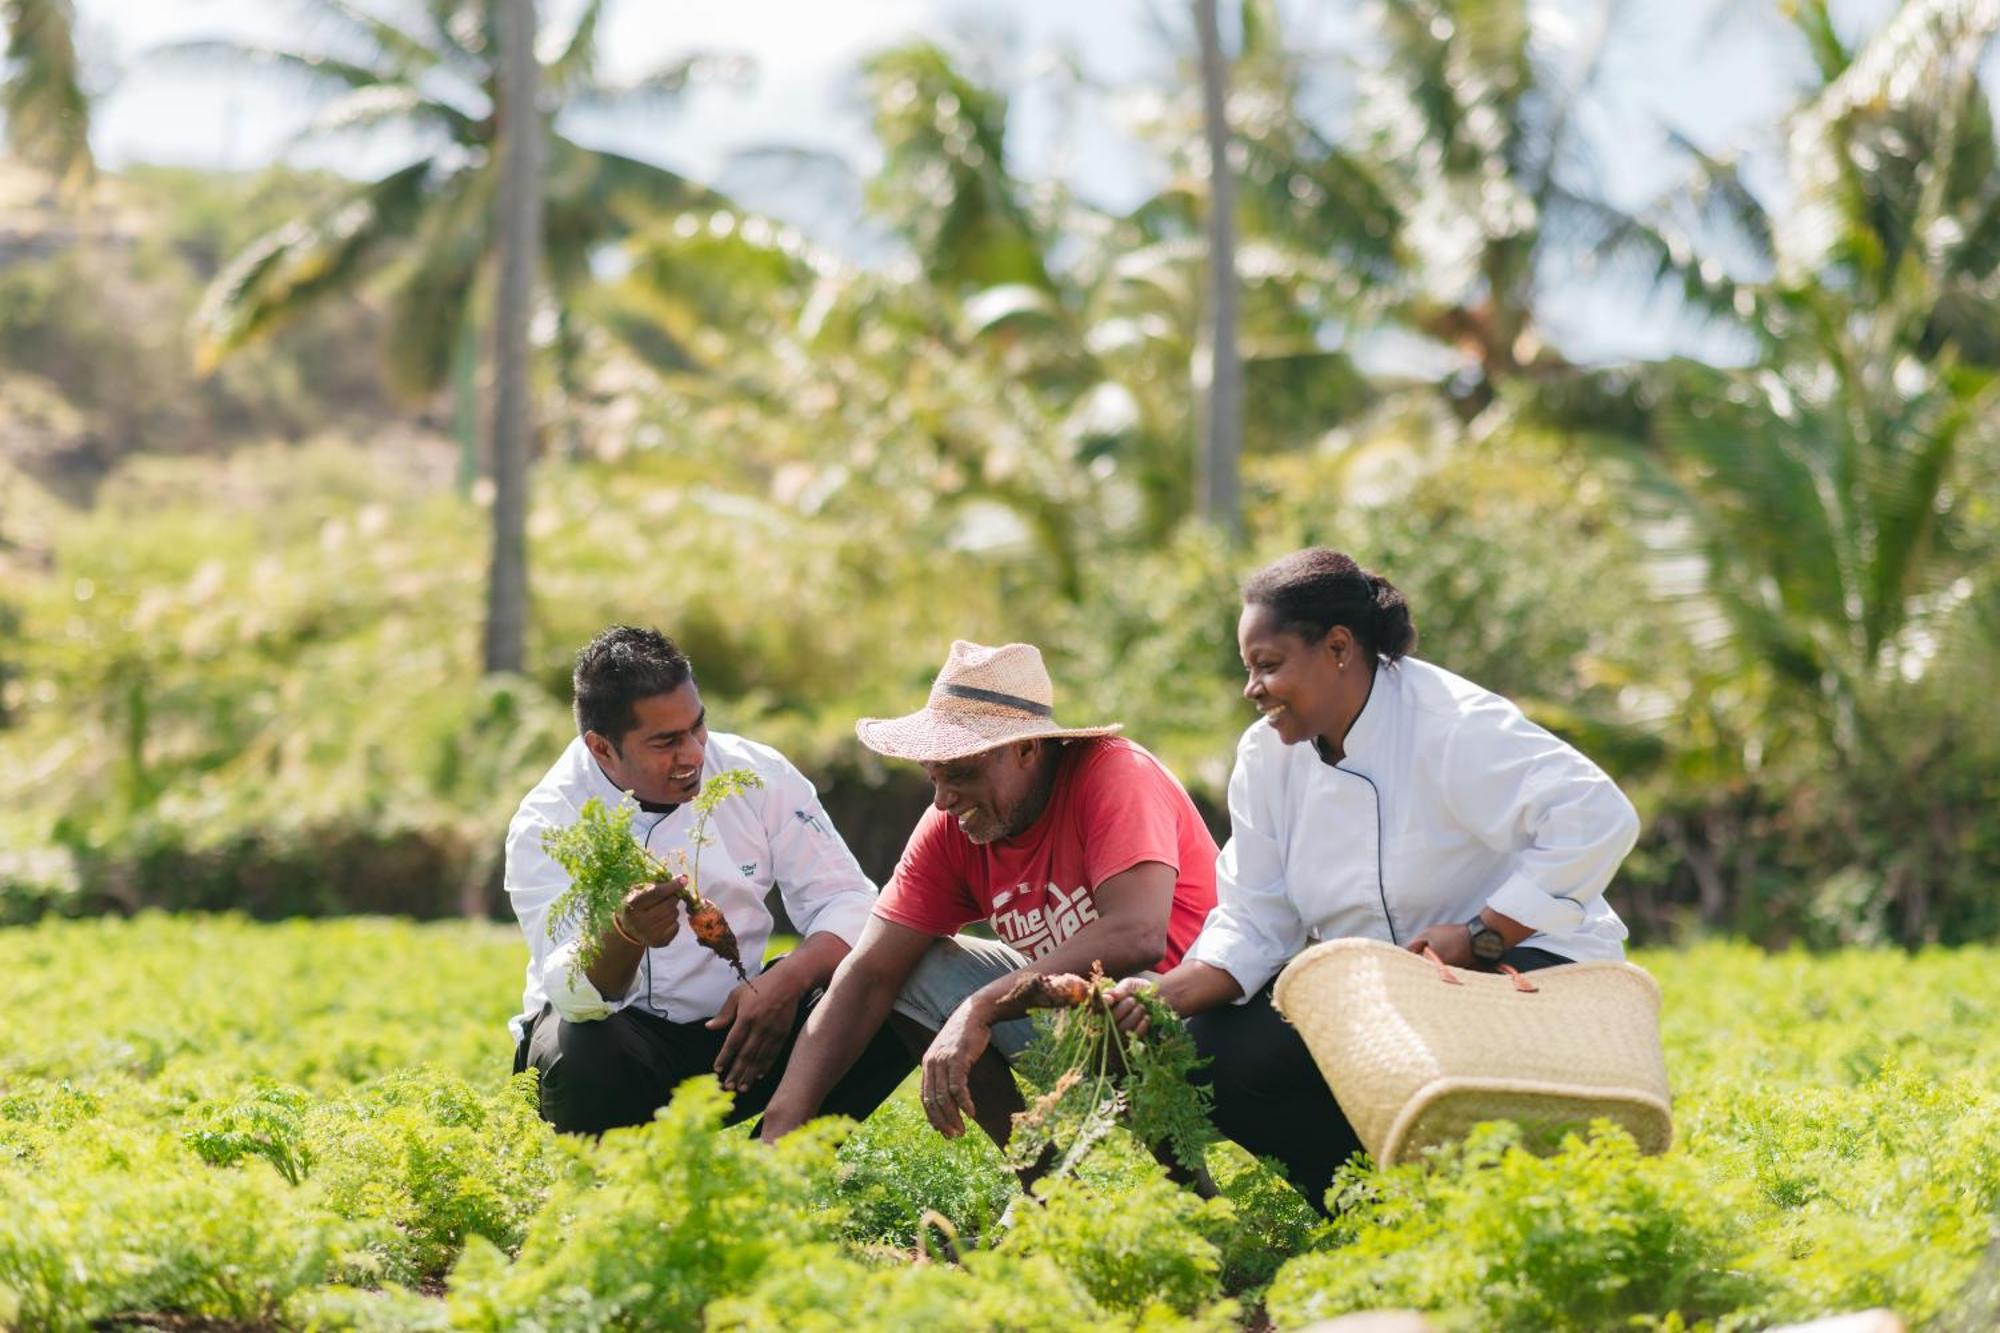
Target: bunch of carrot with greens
[[605, 862], [1094, 1074]]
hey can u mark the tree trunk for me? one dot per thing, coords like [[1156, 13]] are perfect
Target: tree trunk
[[520, 234], [1218, 368], [465, 401]]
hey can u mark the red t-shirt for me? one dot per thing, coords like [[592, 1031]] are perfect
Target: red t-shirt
[[1113, 807]]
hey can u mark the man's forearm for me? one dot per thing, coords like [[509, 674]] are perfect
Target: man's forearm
[[811, 965], [617, 963], [840, 1027]]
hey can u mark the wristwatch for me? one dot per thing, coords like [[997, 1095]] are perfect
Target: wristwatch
[[1488, 944]]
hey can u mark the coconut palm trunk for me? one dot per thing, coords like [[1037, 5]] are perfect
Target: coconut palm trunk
[[1218, 367], [41, 92], [520, 233]]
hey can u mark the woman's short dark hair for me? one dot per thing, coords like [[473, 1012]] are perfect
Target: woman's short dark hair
[[1313, 590], [617, 669]]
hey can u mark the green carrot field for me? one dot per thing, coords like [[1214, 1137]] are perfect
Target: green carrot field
[[208, 1123]]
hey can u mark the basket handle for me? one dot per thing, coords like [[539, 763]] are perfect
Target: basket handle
[[1444, 972], [1446, 975]]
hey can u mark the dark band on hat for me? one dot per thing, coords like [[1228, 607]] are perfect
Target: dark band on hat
[[996, 697]]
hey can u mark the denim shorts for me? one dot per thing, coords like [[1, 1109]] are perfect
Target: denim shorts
[[954, 968]]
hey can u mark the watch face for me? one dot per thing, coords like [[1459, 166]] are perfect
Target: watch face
[[1488, 944]]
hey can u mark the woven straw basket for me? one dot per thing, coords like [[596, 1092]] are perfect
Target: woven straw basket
[[1417, 1053]]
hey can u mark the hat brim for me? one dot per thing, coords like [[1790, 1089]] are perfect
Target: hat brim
[[930, 737]]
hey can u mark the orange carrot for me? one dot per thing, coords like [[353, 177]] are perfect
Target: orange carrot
[[712, 932]]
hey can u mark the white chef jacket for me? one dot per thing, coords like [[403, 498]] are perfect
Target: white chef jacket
[[778, 833], [1447, 801]]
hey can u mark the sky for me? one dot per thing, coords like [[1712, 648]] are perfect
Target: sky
[[1721, 81]]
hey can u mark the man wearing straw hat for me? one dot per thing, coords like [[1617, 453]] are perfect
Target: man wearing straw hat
[[1078, 847]]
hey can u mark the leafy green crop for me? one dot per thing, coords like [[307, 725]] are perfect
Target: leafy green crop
[[1139, 1246], [1490, 1236], [662, 1219], [605, 862], [1093, 1075], [270, 1124], [1838, 1123]]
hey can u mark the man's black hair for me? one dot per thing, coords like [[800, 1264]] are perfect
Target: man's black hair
[[617, 669]]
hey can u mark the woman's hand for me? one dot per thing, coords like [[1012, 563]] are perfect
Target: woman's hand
[[1452, 943], [1126, 1011]]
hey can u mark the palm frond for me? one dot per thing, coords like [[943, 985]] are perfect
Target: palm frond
[[576, 66], [1667, 259], [1920, 66], [304, 261], [1325, 200], [592, 198], [48, 115], [364, 110], [1551, 107], [1008, 307], [1905, 499], [309, 66], [1419, 61], [467, 34], [650, 328], [1814, 21], [665, 87], [1716, 190], [396, 46], [704, 286], [944, 182], [433, 292]]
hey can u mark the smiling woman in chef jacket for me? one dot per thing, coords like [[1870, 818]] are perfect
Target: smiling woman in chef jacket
[[1379, 797]]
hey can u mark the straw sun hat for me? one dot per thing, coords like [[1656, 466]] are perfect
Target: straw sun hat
[[984, 698]]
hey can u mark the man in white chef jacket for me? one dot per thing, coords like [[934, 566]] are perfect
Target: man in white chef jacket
[[611, 1043]]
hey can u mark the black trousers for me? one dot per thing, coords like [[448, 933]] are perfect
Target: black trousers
[[1269, 1096], [619, 1070]]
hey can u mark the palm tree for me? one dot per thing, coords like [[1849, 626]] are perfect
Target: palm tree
[[513, 417], [48, 115], [1222, 376], [1461, 182], [431, 75], [1822, 480], [1826, 495], [494, 197], [1106, 336]]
